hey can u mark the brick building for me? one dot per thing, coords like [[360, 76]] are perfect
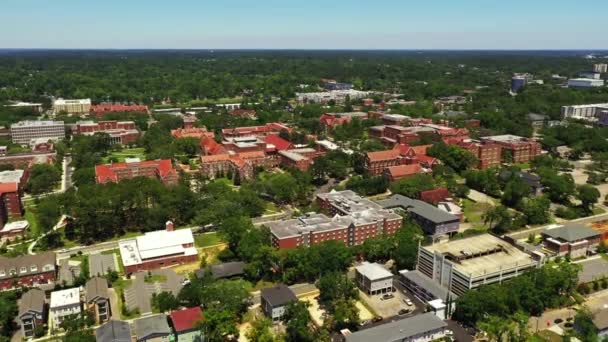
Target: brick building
[[159, 169], [573, 240], [242, 163], [243, 113], [401, 154], [488, 154], [193, 132], [25, 160], [395, 173], [259, 131], [211, 147], [158, 249], [101, 109], [515, 149], [120, 132], [351, 224], [300, 158], [27, 270]]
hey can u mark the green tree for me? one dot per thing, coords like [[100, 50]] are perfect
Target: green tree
[[515, 190], [219, 324], [164, 301], [43, 178], [297, 321], [412, 186], [260, 331], [588, 195]]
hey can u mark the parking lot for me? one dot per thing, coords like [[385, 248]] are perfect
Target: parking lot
[[387, 307]]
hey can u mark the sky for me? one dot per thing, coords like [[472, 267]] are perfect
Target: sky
[[304, 24]]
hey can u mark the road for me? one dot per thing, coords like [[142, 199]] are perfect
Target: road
[[523, 234]]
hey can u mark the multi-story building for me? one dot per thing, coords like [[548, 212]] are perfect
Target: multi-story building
[[395, 119], [515, 149], [25, 160], [243, 164], [12, 186], [72, 107], [101, 109], [193, 132], [600, 67], [431, 219], [299, 158], [31, 312], [158, 169], [120, 132], [373, 279], [424, 287], [461, 265], [573, 240], [353, 220], [588, 112], [338, 96], [585, 83], [401, 154], [13, 230], [395, 173], [517, 83], [337, 86], [24, 132], [259, 131], [274, 301], [27, 270], [64, 303], [488, 154], [158, 249], [97, 300], [425, 327]]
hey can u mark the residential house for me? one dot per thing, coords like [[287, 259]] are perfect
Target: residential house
[[97, 299], [27, 270], [373, 278], [185, 324], [64, 303], [114, 331], [153, 328], [420, 328], [275, 300], [573, 240], [32, 313]]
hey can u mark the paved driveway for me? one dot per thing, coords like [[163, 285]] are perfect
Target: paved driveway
[[139, 294]]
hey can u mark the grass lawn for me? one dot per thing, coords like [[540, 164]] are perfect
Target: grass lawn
[[262, 284], [30, 216], [119, 286], [598, 210], [154, 278], [137, 152], [546, 336], [473, 213], [127, 235], [207, 239], [271, 208]]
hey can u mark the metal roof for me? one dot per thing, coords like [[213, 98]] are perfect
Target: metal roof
[[399, 330], [571, 232], [373, 271], [278, 295], [419, 208]]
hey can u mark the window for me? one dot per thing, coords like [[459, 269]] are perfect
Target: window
[[2, 273], [47, 267], [12, 271], [23, 269], [33, 268]]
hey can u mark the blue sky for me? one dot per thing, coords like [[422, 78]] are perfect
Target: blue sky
[[305, 24]]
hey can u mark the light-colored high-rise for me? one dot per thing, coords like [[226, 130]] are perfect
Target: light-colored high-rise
[[74, 107], [24, 132], [601, 68]]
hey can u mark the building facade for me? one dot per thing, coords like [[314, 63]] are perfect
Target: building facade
[[27, 270], [97, 300], [274, 301], [373, 279], [24, 132], [64, 303], [161, 169], [72, 107], [120, 132], [32, 313]]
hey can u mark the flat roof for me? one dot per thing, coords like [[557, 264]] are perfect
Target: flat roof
[[292, 156], [399, 330], [427, 283], [418, 207], [481, 254], [373, 271], [65, 297], [16, 225], [156, 244], [33, 123], [11, 176]]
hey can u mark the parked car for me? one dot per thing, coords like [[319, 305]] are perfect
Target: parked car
[[388, 296], [404, 311], [364, 323], [377, 319], [408, 302]]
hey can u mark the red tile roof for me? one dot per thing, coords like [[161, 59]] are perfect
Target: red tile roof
[[332, 120], [278, 142], [401, 171], [105, 172], [382, 155], [8, 187], [105, 108], [427, 161], [435, 196], [198, 133], [186, 319], [210, 146], [242, 112]]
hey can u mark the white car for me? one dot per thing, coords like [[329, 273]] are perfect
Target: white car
[[409, 302]]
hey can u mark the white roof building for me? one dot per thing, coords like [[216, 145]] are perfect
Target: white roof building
[[373, 271], [67, 297], [157, 244]]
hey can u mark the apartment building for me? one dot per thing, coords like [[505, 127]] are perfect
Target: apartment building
[[64, 303], [488, 154], [72, 107], [101, 109], [32, 313], [353, 220], [515, 149], [120, 132], [97, 299], [24, 132], [27, 270], [588, 112], [159, 169]]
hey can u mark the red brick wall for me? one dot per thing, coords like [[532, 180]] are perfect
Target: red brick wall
[[12, 202], [41, 278], [160, 263]]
